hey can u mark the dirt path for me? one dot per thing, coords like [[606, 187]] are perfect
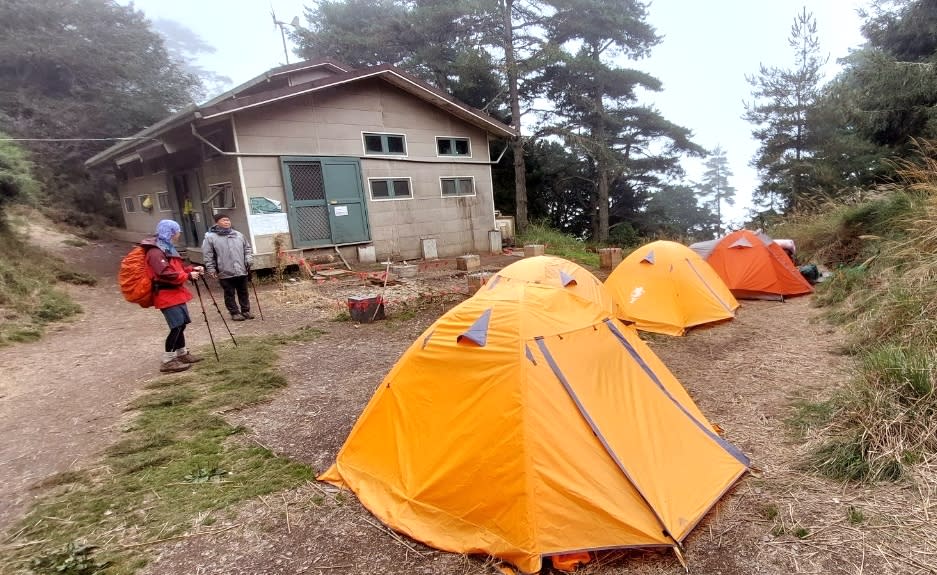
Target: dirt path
[[62, 398], [62, 401]]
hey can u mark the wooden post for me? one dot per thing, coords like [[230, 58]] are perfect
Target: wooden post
[[609, 258]]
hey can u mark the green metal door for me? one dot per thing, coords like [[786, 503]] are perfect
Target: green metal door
[[325, 201], [347, 213]]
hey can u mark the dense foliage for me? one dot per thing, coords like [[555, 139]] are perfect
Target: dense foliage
[[77, 70]]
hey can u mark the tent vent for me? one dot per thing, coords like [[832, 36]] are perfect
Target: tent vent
[[567, 279], [529, 355], [478, 332], [649, 258], [741, 243]]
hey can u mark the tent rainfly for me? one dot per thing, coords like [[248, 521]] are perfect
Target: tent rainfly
[[665, 287], [526, 423]]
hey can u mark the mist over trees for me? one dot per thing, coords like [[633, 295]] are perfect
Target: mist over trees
[[74, 71]]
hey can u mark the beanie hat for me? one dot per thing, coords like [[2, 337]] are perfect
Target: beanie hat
[[219, 215]]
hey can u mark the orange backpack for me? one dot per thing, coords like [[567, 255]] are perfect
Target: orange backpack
[[134, 278]]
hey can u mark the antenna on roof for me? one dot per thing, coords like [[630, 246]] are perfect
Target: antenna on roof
[[282, 26]]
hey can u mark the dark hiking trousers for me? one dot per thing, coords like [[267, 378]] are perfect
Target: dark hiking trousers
[[235, 292]]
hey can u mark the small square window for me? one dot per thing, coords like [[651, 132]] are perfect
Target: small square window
[[380, 188], [395, 144], [373, 144], [385, 144], [129, 204], [390, 189], [221, 196], [401, 188], [457, 186], [453, 147], [162, 200]]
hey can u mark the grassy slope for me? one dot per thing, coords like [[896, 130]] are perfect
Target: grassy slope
[[883, 254], [30, 296]]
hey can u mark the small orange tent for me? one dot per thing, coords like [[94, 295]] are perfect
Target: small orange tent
[[526, 422], [753, 266], [664, 287]]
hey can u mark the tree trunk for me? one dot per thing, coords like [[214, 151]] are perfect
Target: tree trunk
[[601, 163], [517, 143]]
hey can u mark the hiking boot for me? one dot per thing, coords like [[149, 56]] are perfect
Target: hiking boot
[[173, 366], [189, 358], [237, 317], [247, 315]]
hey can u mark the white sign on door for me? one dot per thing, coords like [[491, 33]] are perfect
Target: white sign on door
[[341, 210]]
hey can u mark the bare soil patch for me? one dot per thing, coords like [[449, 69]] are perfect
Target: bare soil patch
[[62, 401]]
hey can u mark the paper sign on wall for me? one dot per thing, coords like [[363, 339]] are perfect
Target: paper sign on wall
[[341, 210], [264, 224]]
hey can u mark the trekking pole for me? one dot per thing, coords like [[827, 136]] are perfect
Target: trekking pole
[[207, 325], [250, 280], [214, 301]]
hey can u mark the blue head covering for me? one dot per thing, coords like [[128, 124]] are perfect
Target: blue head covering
[[165, 230]]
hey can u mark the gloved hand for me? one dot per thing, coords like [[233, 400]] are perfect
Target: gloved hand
[[249, 272], [213, 275], [194, 275], [198, 269]]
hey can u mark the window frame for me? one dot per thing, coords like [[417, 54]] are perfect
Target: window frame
[[453, 140], [384, 145], [213, 194], [457, 179], [390, 188], [159, 202], [130, 205]]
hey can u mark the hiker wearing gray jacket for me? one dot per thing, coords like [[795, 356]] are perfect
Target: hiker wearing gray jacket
[[228, 258]]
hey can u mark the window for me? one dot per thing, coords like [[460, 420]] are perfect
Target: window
[[129, 204], [221, 196], [390, 189], [162, 201], [146, 202], [453, 147], [385, 144], [458, 186]]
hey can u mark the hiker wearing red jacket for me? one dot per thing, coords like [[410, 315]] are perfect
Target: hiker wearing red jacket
[[170, 294]]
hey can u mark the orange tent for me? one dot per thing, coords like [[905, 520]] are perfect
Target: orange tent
[[526, 422], [559, 272], [664, 287], [753, 266]]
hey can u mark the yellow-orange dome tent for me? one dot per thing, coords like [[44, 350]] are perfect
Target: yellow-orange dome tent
[[665, 287], [559, 272], [526, 422]]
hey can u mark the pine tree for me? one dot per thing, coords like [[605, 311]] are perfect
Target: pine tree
[[715, 187], [595, 110], [783, 102]]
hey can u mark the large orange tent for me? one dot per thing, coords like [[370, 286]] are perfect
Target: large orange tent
[[753, 266], [526, 422], [665, 287]]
